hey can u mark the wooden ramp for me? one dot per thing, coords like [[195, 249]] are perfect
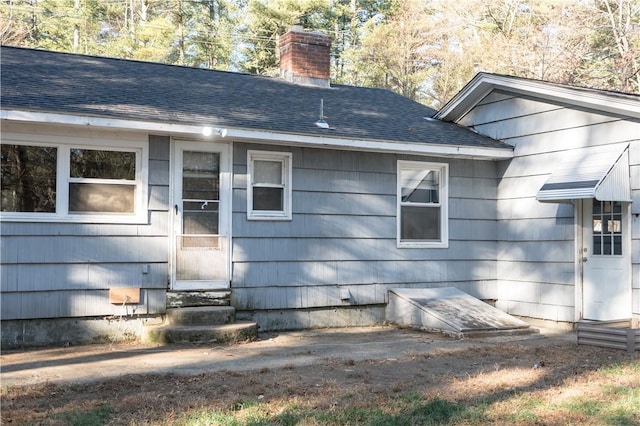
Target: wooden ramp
[[450, 311]]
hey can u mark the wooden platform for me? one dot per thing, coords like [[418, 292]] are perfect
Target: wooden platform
[[450, 311]]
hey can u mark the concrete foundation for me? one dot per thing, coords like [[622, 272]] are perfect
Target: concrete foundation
[[301, 319], [17, 334]]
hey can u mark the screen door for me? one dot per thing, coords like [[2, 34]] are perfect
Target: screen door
[[201, 211]]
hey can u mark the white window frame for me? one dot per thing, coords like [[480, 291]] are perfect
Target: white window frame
[[443, 203], [64, 144], [285, 158]]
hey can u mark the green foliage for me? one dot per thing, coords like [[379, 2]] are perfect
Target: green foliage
[[617, 369], [619, 407], [407, 410], [425, 50], [206, 418], [266, 21], [94, 417]]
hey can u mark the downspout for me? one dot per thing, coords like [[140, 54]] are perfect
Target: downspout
[[579, 263]]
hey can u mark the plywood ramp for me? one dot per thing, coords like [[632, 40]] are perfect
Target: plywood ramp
[[451, 311]]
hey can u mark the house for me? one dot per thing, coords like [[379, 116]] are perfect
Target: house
[[568, 202], [129, 185]]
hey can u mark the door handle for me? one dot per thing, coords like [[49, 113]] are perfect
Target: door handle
[[175, 208], [584, 259]]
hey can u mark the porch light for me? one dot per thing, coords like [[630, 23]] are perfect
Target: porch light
[[208, 131]]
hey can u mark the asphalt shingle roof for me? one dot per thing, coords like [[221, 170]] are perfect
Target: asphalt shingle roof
[[44, 81]]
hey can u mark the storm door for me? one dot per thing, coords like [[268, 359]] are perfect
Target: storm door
[[606, 263], [201, 216]]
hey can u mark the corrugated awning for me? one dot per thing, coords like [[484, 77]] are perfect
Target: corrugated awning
[[600, 172]]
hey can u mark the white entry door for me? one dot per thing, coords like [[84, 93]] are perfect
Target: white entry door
[[606, 261], [201, 231]]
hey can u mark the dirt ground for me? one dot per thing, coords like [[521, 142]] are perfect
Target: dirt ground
[[339, 376]]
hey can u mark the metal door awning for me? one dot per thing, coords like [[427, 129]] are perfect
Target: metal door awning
[[600, 172]]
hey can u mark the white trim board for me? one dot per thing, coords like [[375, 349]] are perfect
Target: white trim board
[[483, 84], [195, 130]]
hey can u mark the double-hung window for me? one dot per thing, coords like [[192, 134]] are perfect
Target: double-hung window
[[422, 204], [57, 181], [102, 181], [269, 185]]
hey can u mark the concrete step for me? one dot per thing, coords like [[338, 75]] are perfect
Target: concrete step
[[204, 315], [182, 299], [202, 334]]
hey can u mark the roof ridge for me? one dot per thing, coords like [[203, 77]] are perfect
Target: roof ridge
[[130, 60]]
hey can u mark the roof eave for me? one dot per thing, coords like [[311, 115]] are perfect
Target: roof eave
[[263, 136], [483, 84], [396, 147]]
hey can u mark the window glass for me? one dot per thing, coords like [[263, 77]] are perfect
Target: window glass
[[607, 228], [88, 195], [200, 218], [269, 185], [200, 194], [268, 198], [419, 223], [98, 164], [201, 187], [267, 172], [101, 198], [420, 186], [28, 178], [200, 175], [422, 204], [73, 183], [203, 163]]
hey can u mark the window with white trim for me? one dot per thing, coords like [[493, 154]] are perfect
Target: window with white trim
[[268, 185], [422, 204], [71, 182]]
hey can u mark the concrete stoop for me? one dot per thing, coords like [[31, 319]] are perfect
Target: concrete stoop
[[201, 325]]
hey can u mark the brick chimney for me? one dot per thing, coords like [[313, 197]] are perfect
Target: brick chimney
[[305, 57]]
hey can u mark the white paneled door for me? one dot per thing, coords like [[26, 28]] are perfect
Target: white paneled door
[[606, 260], [201, 211]]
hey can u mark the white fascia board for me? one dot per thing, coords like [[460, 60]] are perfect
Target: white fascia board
[[99, 122], [275, 138], [482, 84], [435, 150], [463, 101]]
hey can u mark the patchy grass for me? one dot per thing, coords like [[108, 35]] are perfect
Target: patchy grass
[[491, 384], [95, 416], [398, 412]]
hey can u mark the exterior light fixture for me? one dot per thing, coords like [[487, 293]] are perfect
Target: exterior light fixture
[[208, 131]]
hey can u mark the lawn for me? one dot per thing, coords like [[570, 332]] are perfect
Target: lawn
[[515, 383]]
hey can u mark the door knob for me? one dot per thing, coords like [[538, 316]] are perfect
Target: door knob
[[584, 259]]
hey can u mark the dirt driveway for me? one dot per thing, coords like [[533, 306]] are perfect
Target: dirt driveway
[[318, 369], [271, 350]]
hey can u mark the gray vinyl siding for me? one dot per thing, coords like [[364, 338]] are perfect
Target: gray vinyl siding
[[536, 248], [343, 233], [66, 269]]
